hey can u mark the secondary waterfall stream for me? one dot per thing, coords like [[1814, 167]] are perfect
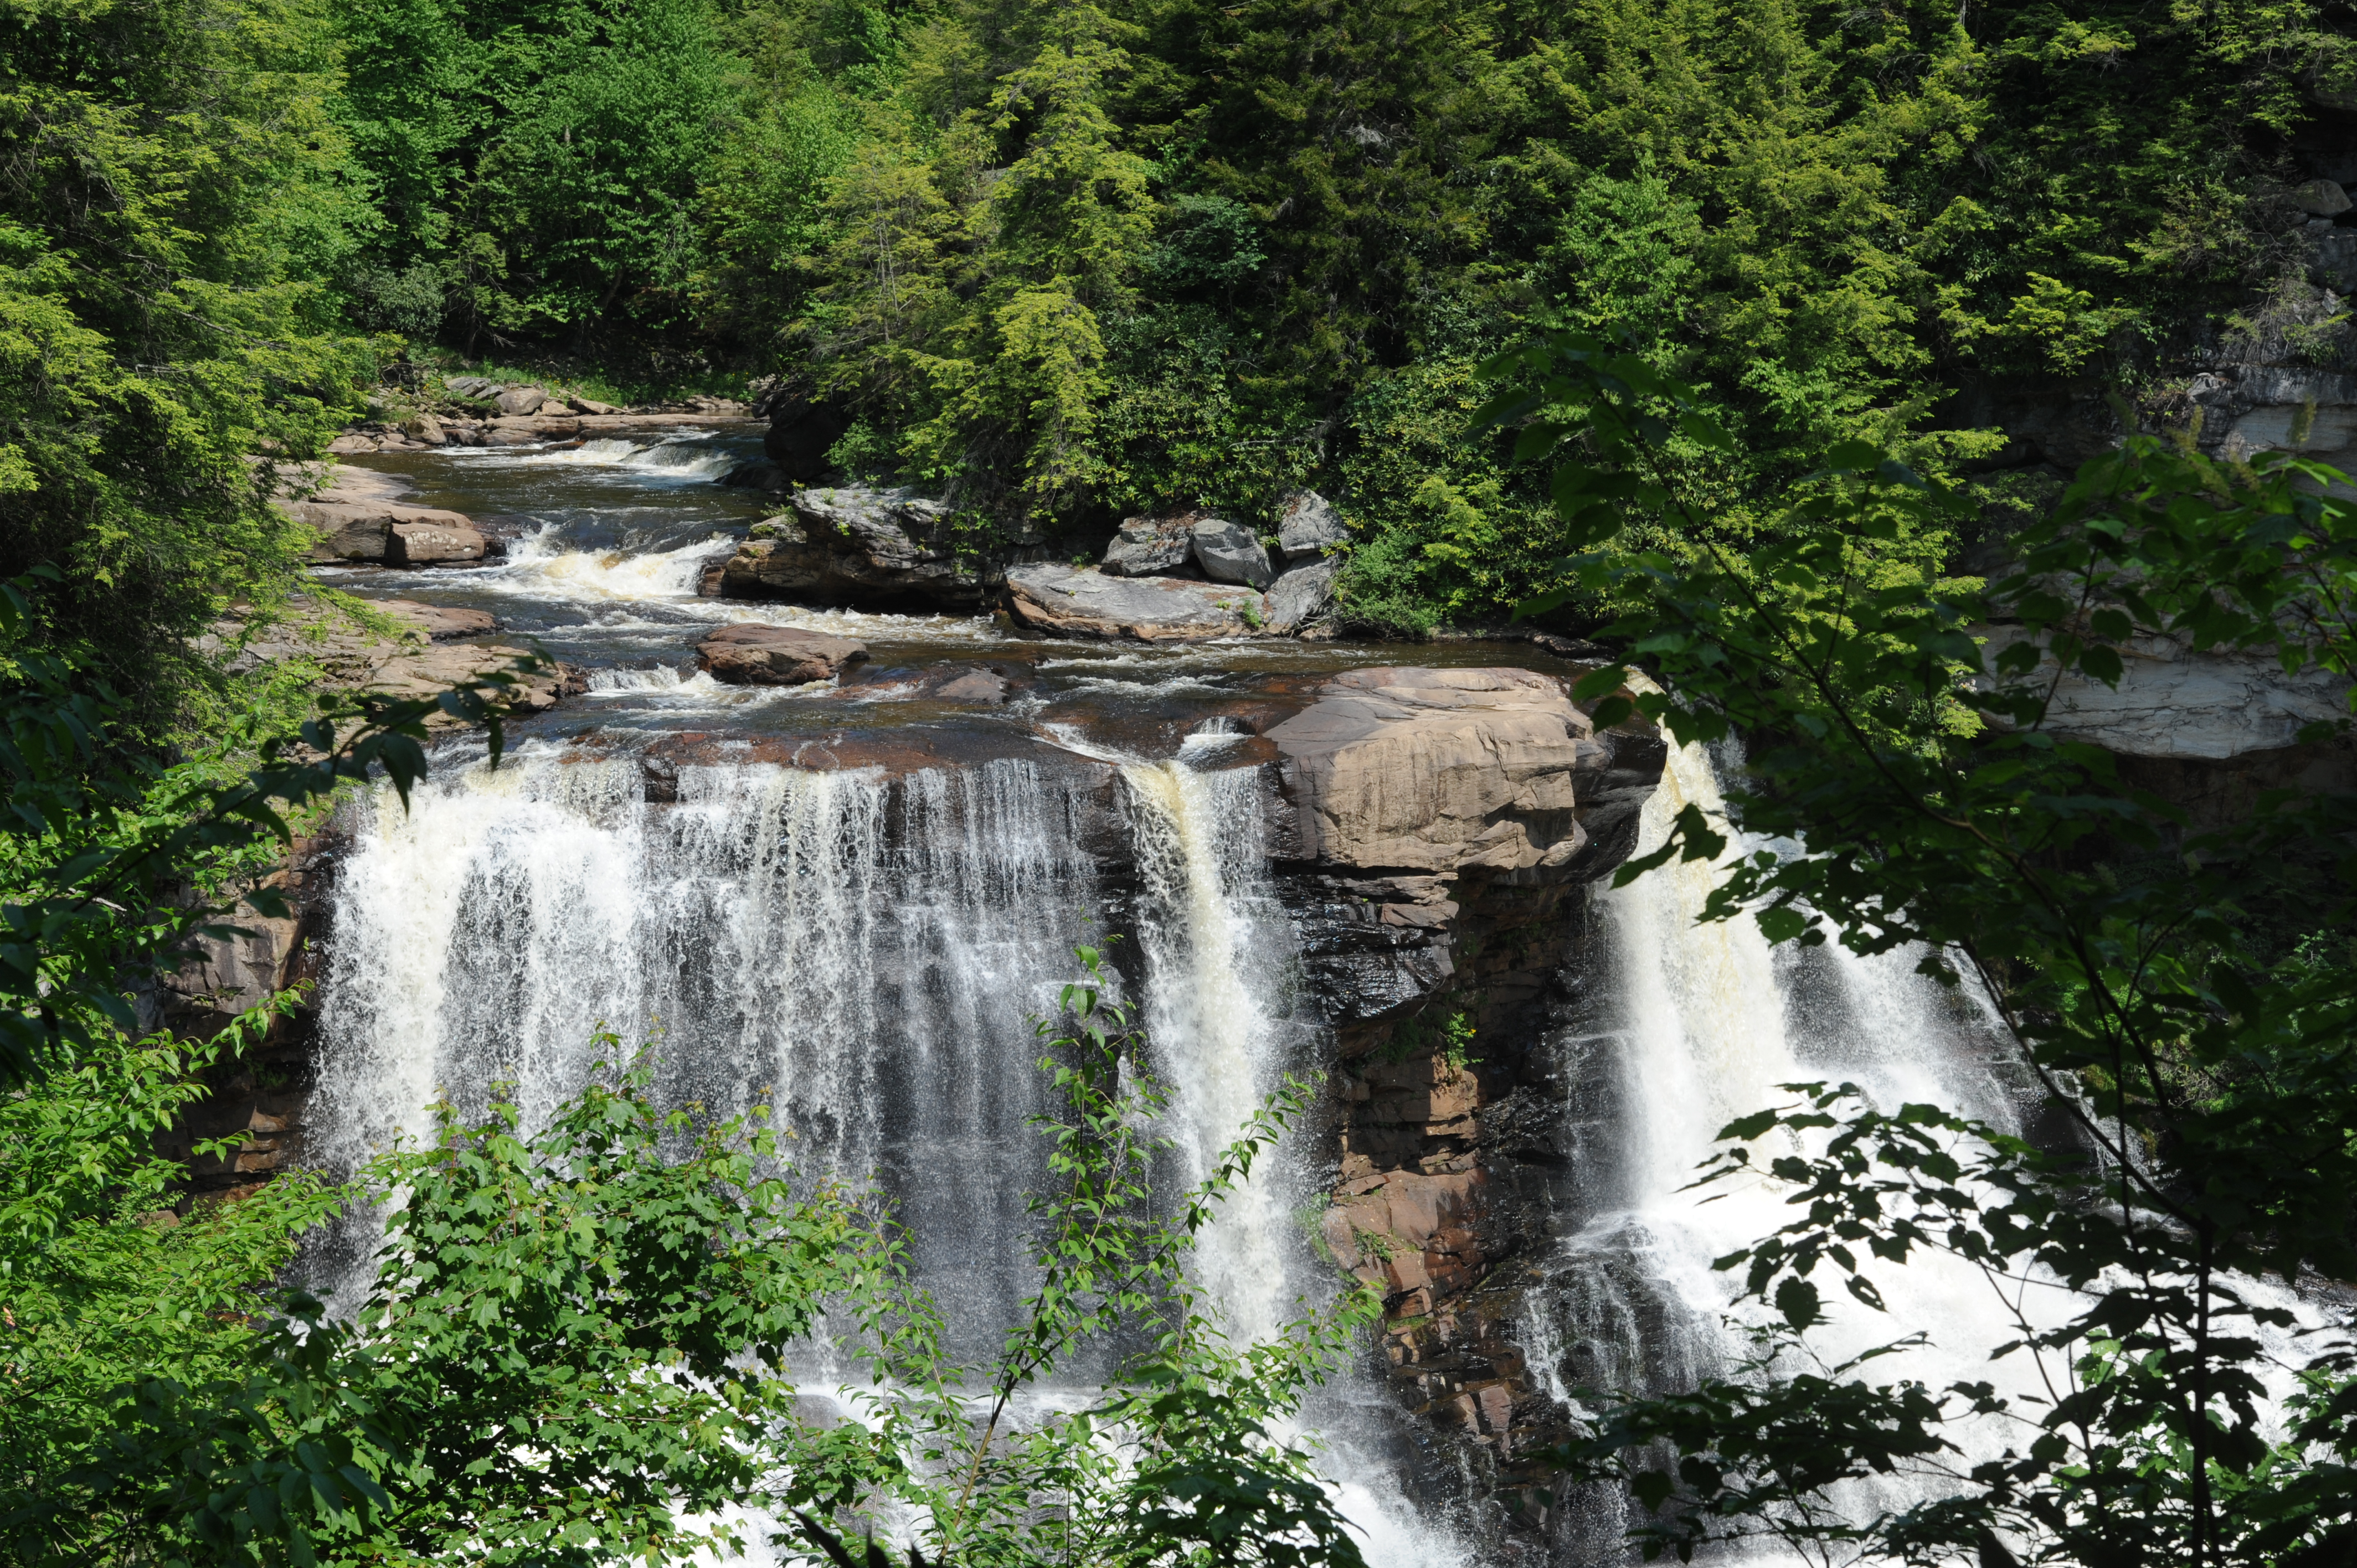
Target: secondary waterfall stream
[[854, 906]]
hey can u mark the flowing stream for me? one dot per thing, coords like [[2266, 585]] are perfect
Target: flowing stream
[[852, 903]]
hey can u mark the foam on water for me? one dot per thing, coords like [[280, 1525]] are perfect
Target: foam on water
[[682, 458]]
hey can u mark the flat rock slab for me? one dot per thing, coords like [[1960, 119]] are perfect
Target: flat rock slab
[[1074, 601], [749, 654], [407, 664], [442, 623]]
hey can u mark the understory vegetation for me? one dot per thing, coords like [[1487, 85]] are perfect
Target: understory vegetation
[[2172, 1361]]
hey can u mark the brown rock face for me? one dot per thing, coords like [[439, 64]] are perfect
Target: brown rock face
[[1444, 822], [753, 655]]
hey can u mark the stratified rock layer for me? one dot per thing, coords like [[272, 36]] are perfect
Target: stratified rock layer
[[1445, 823]]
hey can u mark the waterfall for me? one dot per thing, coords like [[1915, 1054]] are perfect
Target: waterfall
[[1215, 942], [867, 953], [1697, 1026]]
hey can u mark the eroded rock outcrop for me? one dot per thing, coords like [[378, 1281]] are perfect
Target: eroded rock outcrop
[[859, 546], [1447, 822], [359, 522]]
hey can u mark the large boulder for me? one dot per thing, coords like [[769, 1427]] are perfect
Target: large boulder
[[414, 542], [1308, 526], [1303, 596], [1440, 770], [751, 654], [521, 400], [857, 545], [1150, 546], [1074, 601], [359, 528], [1230, 552]]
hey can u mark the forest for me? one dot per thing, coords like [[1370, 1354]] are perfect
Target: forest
[[1062, 264], [1726, 336]]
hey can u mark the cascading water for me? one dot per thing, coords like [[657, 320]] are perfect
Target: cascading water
[[866, 951], [1215, 943], [1695, 1026]]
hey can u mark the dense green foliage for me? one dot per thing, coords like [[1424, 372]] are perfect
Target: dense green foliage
[[1069, 260], [1066, 262], [2206, 1080], [170, 202]]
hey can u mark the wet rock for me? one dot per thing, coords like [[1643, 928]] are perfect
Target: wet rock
[[521, 400], [1150, 546], [2322, 196], [424, 427], [1072, 601], [1302, 596], [1308, 526], [442, 623], [1230, 552], [420, 543], [751, 654], [985, 687], [857, 545]]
